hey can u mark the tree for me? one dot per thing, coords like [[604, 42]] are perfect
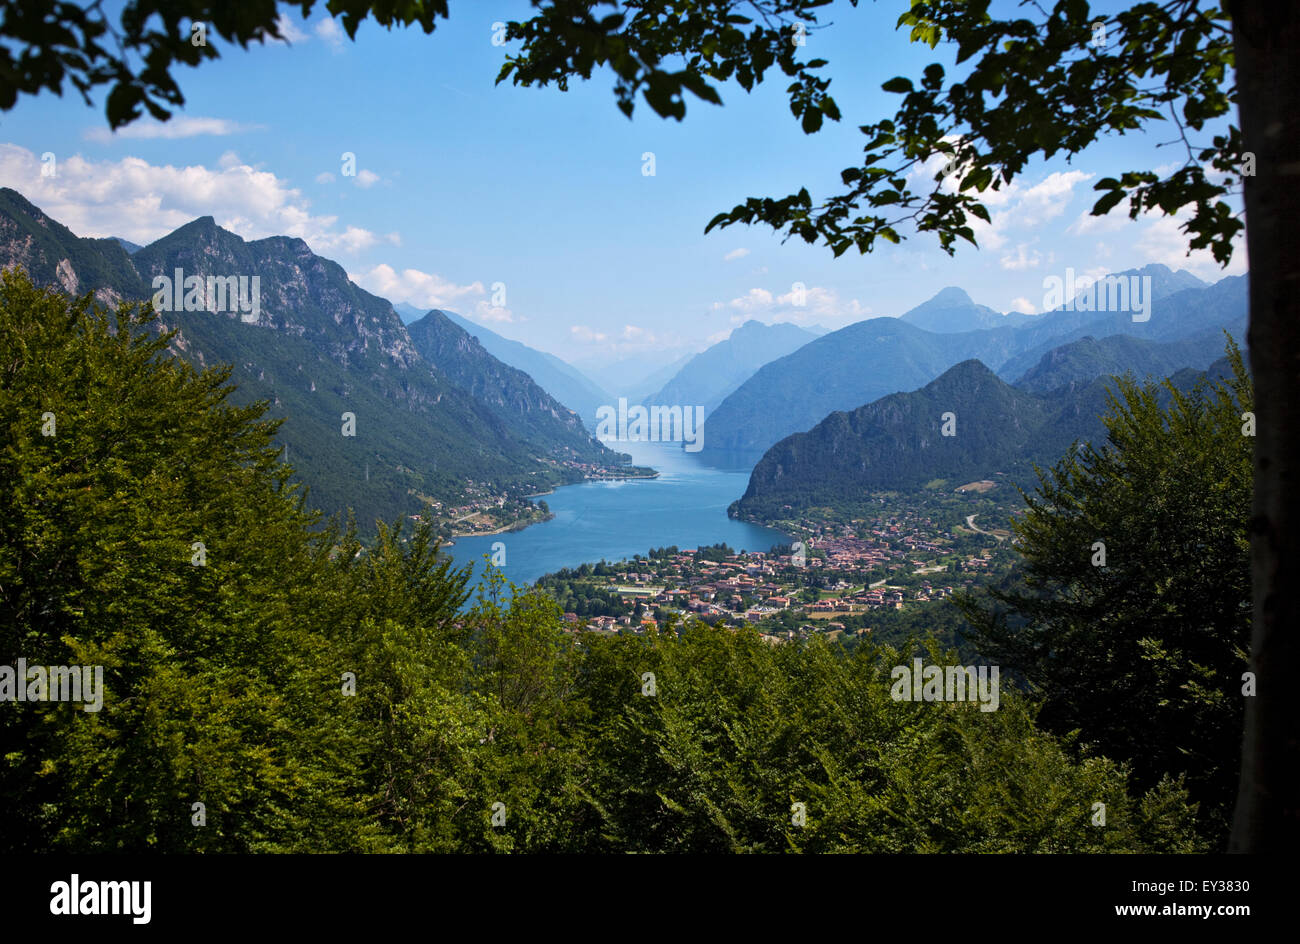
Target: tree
[[1035, 88], [481, 729], [149, 535], [1132, 620], [742, 737]]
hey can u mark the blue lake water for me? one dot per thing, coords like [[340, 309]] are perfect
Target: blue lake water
[[686, 505]]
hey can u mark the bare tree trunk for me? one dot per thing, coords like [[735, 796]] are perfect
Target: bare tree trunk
[[1266, 39]]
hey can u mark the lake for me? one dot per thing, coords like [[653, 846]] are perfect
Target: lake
[[686, 505]]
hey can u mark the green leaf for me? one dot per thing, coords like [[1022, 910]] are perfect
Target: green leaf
[[1107, 202]]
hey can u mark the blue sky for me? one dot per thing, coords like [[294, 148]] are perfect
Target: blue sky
[[461, 184]]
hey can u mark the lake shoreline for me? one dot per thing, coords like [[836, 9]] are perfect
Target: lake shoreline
[[683, 503], [513, 526]]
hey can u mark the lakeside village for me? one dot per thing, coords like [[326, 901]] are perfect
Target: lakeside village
[[843, 576], [485, 508]]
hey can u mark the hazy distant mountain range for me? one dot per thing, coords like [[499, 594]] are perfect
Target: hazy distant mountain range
[[952, 312], [444, 406], [708, 377], [632, 377], [1089, 357], [998, 432], [898, 441], [872, 359], [318, 347]]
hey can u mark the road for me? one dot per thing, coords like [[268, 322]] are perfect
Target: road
[[970, 523]]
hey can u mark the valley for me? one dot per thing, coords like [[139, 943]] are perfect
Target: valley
[[838, 496], [421, 452], [876, 446], [880, 570]]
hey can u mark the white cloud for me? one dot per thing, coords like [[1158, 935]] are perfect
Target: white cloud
[[1047, 199], [1024, 306], [986, 234], [1013, 205], [629, 341], [289, 30], [586, 335], [637, 338], [630, 338], [808, 305], [180, 126], [1025, 207], [1086, 277], [1087, 224], [1163, 241], [483, 311], [1024, 258], [330, 31], [141, 201], [735, 254], [1001, 197], [365, 179], [421, 289], [354, 239], [756, 299], [921, 177]]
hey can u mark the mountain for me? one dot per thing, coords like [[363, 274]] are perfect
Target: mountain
[[513, 396], [841, 370], [634, 377], [53, 255], [709, 376], [408, 312], [316, 347], [871, 359], [1119, 354], [952, 311], [1164, 280], [899, 441], [1187, 313], [126, 244], [562, 381]]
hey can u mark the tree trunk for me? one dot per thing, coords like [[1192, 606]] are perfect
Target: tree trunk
[[1266, 40]]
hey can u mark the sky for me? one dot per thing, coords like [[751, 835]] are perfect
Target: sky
[[528, 210]]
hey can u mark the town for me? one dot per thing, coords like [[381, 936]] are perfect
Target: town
[[839, 579], [486, 508]]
